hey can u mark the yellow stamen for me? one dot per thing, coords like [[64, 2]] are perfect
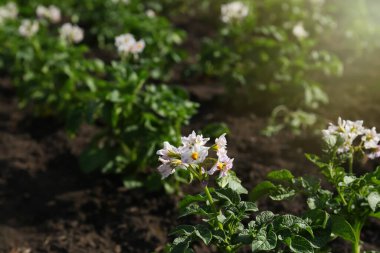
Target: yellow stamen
[[194, 155], [220, 165]]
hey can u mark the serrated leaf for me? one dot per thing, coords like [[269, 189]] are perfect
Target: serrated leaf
[[342, 228], [261, 189], [203, 233], [280, 175], [373, 200], [300, 244]]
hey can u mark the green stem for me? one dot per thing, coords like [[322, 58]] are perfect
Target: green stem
[[356, 245], [351, 162], [211, 201]]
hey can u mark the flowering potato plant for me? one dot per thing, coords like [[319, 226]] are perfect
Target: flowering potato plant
[[57, 72], [227, 221], [270, 53], [355, 197]]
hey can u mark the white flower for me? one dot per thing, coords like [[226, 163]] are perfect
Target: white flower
[[28, 28], [221, 142], [71, 33], [8, 11], [168, 152], [234, 11], [126, 43], [150, 13], [370, 138], [299, 31], [138, 47], [354, 128], [224, 164], [193, 154], [165, 170], [375, 153], [347, 130], [170, 159], [194, 139], [52, 13]]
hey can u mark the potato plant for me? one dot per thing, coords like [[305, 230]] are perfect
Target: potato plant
[[226, 220], [56, 72], [354, 197]]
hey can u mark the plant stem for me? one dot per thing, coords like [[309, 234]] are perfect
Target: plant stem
[[212, 205], [356, 245], [351, 162]]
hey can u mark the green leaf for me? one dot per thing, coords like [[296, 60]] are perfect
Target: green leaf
[[188, 199], [375, 215], [318, 217], [93, 158], [373, 200], [203, 233], [229, 195], [261, 189], [264, 241], [300, 244], [180, 245], [264, 217], [342, 228], [248, 206], [280, 175], [183, 230], [233, 182], [131, 183], [316, 160], [192, 209]]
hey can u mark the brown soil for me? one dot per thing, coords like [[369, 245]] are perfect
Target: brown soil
[[48, 205]]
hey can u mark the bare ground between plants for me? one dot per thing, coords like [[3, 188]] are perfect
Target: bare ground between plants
[[48, 205]]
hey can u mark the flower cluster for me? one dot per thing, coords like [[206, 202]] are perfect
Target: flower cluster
[[8, 11], [299, 31], [234, 11], [194, 154], [126, 43], [71, 33], [352, 132], [28, 28], [51, 13]]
